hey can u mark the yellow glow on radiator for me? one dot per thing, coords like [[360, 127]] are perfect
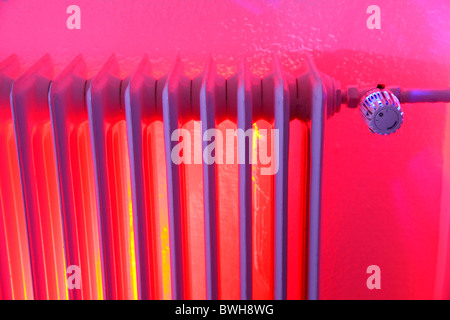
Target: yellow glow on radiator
[[132, 246], [166, 261]]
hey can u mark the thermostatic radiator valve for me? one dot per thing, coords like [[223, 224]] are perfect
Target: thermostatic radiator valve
[[381, 111], [380, 107]]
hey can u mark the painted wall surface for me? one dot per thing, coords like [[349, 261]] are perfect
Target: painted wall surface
[[385, 198]]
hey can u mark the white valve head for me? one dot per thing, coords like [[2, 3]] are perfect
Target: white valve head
[[381, 111]]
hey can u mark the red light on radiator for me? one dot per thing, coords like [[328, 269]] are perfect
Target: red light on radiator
[[31, 116], [15, 272], [103, 193]]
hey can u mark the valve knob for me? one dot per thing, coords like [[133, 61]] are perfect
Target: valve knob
[[381, 111]]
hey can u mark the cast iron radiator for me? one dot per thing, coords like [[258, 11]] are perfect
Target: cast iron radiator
[[89, 187]]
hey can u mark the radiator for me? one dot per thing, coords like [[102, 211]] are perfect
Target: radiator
[[95, 207]]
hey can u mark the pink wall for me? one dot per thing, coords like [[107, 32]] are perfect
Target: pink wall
[[383, 196]]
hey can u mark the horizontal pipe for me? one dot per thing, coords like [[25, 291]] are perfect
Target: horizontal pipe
[[424, 95]]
